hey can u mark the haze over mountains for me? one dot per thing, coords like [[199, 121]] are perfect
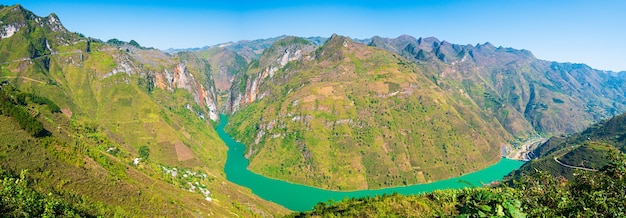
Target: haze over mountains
[[334, 113]]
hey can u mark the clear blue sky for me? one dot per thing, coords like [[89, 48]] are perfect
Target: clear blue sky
[[591, 32]]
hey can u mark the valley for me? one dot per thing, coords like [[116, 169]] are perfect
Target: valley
[[290, 194], [266, 127]]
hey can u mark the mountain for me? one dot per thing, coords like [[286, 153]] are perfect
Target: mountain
[[588, 194], [588, 149], [528, 96], [348, 116], [403, 111], [132, 135], [230, 60], [115, 129], [543, 187]]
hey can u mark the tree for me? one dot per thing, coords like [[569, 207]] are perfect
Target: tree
[[134, 43], [144, 152]]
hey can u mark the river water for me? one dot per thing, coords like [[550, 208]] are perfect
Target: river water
[[298, 197]]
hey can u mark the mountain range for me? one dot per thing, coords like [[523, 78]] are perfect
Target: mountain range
[[405, 110], [335, 113]]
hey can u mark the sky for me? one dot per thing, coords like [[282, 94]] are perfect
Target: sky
[[577, 31]]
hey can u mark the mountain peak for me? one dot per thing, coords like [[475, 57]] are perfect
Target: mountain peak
[[334, 46], [334, 39], [14, 18], [406, 38]]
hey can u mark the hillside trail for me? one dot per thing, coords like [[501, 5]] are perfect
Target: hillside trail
[[45, 55], [574, 167], [24, 78], [53, 53]]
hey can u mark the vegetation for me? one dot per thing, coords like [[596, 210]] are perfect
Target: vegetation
[[144, 152], [116, 105], [19, 199], [13, 104], [356, 117], [585, 149], [588, 194]]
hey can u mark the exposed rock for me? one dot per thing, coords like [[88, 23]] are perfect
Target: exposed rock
[[284, 51]]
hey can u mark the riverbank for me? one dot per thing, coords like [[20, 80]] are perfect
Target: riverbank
[[523, 152], [298, 197]]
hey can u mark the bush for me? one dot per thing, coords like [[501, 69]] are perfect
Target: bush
[[18, 199], [144, 152]]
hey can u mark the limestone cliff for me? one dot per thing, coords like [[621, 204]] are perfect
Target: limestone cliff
[[247, 87]]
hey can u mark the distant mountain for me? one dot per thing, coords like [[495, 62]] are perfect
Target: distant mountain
[[494, 95], [134, 133], [528, 96]]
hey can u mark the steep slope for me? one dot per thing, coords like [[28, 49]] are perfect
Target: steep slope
[[246, 86], [125, 100], [528, 96], [226, 64], [588, 149], [588, 194], [348, 116], [541, 188]]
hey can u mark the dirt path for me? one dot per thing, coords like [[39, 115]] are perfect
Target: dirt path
[[53, 53], [24, 78]]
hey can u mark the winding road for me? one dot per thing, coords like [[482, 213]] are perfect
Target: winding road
[[574, 167]]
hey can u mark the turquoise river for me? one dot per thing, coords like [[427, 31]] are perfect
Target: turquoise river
[[300, 197]]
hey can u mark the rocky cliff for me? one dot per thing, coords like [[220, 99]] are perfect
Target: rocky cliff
[[247, 87]]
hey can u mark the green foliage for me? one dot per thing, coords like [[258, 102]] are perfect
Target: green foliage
[[134, 43], [19, 199], [52, 107], [589, 194], [488, 203], [115, 42], [144, 152], [11, 105]]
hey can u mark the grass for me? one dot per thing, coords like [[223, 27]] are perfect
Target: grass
[[344, 130], [90, 154]]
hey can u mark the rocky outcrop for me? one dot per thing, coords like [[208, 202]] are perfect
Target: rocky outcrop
[[247, 87]]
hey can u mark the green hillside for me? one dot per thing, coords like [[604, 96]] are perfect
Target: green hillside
[[405, 111], [588, 149], [348, 116], [528, 96], [584, 193], [132, 135]]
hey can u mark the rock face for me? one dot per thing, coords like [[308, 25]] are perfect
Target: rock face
[[180, 78], [181, 71], [247, 87]]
